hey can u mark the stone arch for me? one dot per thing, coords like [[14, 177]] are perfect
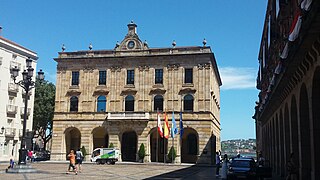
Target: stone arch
[[282, 145], [158, 103], [100, 137], [304, 124], [287, 133], [129, 103], [316, 119], [190, 146], [72, 139], [129, 141], [188, 102], [294, 131], [158, 145]]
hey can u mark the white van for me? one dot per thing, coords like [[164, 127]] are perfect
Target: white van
[[105, 155]]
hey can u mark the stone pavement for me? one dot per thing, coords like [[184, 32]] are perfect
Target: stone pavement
[[57, 170]]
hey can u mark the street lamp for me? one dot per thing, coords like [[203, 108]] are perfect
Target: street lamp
[[27, 84]]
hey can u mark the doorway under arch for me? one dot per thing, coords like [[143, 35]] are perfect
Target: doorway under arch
[[72, 139], [100, 138], [158, 146], [129, 146], [190, 146]]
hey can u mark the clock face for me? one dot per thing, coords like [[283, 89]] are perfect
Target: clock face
[[131, 44]]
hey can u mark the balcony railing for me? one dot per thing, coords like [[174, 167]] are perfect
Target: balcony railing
[[12, 87], [14, 64], [22, 111], [10, 132], [20, 132], [24, 93], [11, 109], [128, 115]]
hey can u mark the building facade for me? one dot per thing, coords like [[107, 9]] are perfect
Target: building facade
[[12, 97], [288, 111], [113, 96]]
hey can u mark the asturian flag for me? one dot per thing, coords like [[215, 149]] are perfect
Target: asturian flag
[[160, 126], [174, 129], [166, 126]]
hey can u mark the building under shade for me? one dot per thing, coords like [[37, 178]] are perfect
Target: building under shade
[[288, 111], [12, 98], [113, 96]]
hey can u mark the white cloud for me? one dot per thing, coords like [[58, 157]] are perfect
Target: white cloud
[[238, 78]]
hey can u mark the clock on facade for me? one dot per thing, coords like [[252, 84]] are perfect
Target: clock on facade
[[131, 44]]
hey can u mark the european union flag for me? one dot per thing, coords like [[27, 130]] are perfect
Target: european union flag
[[181, 126]]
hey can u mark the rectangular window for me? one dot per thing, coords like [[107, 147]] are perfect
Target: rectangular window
[[75, 78], [102, 77], [158, 76], [130, 76], [188, 76]]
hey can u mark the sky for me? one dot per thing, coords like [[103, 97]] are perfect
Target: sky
[[232, 28]]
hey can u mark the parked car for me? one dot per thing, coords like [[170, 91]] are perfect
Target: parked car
[[242, 168], [42, 155]]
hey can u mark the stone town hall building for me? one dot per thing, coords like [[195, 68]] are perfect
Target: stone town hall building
[[112, 96]]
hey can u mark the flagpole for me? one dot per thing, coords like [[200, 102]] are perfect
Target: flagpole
[[157, 144], [180, 117], [164, 146]]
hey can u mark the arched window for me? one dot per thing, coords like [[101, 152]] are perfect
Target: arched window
[[129, 103], [158, 103], [74, 103], [188, 103], [101, 104], [192, 144]]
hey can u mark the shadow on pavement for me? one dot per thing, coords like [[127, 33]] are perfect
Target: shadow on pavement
[[186, 173]]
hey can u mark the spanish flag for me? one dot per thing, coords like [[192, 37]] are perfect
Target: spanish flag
[[166, 126]]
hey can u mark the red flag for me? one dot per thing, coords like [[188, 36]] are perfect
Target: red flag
[[160, 126], [166, 126]]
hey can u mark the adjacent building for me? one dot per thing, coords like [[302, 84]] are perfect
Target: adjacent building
[[113, 96], [288, 111], [12, 99]]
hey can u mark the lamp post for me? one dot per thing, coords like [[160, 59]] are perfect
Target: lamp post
[[27, 84]]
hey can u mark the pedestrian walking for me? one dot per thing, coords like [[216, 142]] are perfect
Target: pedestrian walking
[[261, 160], [72, 162], [79, 158], [218, 161], [292, 172], [224, 170]]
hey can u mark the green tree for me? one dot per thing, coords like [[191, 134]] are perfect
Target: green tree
[[142, 152], [43, 110], [172, 154], [84, 151]]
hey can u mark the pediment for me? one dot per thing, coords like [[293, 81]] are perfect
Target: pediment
[[73, 92], [131, 41], [187, 91], [157, 91], [128, 92], [100, 92]]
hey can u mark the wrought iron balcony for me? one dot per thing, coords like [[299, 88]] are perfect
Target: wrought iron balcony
[[11, 109], [10, 132], [15, 64], [12, 87], [22, 111], [20, 132]]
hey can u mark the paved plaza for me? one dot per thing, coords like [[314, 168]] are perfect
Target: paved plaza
[[57, 170]]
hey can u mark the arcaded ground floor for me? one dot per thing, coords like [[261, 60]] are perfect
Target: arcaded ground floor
[[198, 144]]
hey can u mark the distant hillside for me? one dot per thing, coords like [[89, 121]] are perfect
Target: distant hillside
[[246, 147]]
